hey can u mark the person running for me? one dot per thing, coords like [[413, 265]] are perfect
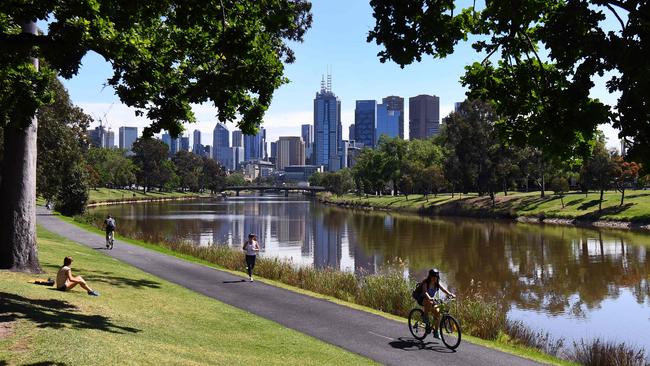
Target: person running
[[251, 247], [430, 287], [65, 281], [109, 226]]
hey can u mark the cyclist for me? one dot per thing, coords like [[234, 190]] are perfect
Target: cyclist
[[109, 226], [430, 287]]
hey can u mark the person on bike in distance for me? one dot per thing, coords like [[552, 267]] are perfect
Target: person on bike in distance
[[109, 226], [430, 287]]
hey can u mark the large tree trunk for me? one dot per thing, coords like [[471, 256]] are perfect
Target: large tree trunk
[[18, 250]]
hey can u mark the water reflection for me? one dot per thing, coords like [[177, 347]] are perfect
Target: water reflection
[[557, 271]]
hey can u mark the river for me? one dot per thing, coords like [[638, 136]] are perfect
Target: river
[[572, 282]]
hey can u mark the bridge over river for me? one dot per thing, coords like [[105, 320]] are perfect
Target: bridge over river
[[286, 189]]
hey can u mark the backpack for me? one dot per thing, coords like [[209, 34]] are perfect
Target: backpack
[[110, 224], [418, 290]]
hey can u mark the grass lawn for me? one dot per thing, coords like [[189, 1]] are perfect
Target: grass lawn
[[636, 207], [107, 195], [138, 319]]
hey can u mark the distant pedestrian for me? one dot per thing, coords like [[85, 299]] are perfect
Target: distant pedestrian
[[66, 281], [251, 247], [109, 226]]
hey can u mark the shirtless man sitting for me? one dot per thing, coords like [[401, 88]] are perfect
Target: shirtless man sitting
[[66, 281]]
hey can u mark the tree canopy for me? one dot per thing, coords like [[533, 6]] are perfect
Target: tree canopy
[[537, 64]]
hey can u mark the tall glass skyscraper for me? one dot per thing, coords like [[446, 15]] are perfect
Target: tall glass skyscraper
[[127, 136], [365, 122], [387, 122], [395, 103], [197, 148], [327, 128], [255, 146], [221, 144], [237, 139]]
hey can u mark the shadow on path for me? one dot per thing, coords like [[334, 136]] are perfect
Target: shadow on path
[[236, 281], [55, 314], [412, 344]]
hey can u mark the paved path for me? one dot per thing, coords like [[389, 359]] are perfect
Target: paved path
[[383, 340]]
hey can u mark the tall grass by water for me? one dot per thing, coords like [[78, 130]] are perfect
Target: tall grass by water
[[481, 314]]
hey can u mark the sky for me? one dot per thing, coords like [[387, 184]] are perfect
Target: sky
[[336, 42]]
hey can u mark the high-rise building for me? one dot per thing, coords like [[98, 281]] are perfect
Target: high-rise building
[[424, 116], [172, 143], [387, 122], [197, 148], [184, 143], [457, 106], [127, 136], [351, 132], [365, 122], [255, 146], [237, 157], [237, 139], [291, 151], [221, 144], [327, 127], [307, 134], [274, 151], [109, 139], [396, 104], [96, 136]]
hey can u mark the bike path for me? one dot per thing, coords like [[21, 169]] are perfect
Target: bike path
[[383, 340]]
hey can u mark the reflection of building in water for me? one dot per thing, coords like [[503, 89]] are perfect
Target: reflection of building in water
[[327, 244]]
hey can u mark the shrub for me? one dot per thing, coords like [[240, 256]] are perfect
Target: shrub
[[601, 353]]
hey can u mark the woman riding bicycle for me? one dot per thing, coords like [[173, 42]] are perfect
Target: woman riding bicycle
[[430, 286]]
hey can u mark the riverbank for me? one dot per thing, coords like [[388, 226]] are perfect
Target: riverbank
[[574, 208], [103, 196], [137, 319]]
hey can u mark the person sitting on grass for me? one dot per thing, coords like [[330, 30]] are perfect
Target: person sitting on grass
[[65, 281]]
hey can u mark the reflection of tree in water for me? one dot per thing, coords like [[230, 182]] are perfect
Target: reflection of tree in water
[[533, 266]]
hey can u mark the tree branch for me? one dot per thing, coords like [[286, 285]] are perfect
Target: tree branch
[[490, 54], [617, 16]]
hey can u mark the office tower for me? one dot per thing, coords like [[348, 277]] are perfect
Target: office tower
[[274, 149], [307, 134], [197, 148], [365, 122], [109, 139], [96, 136], [387, 122], [255, 146], [396, 104], [184, 143], [237, 157], [237, 139], [221, 144], [291, 151], [327, 127], [457, 106], [351, 136], [127, 136], [424, 116], [172, 143]]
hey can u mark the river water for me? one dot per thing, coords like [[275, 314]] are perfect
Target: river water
[[572, 282]]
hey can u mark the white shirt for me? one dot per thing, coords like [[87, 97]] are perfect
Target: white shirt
[[252, 247]]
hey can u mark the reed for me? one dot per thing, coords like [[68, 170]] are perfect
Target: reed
[[524, 335], [601, 353]]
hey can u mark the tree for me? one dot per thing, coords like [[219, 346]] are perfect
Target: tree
[[369, 170], [433, 180], [543, 98], [236, 180], [339, 182], [598, 170], [625, 173], [394, 151], [112, 167], [213, 175], [165, 56], [559, 186], [188, 167], [149, 156], [316, 179]]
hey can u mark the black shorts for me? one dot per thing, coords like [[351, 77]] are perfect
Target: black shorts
[[62, 288]]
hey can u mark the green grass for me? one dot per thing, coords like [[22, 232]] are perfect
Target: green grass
[[636, 207], [138, 319], [502, 343], [114, 195]]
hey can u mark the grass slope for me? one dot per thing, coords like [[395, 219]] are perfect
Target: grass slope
[[636, 207], [138, 319], [112, 195]]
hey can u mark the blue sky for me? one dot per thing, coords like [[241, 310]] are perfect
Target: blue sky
[[337, 40]]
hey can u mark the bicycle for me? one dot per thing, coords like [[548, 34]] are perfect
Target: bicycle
[[110, 240], [449, 328]]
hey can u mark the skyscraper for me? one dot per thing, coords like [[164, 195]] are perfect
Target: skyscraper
[[395, 103], [96, 136], [307, 133], [274, 150], [387, 122], [457, 106], [291, 151], [171, 143], [327, 127], [351, 136], [197, 148], [127, 136], [365, 122], [184, 143], [255, 146], [109, 139], [237, 139], [424, 116], [221, 144]]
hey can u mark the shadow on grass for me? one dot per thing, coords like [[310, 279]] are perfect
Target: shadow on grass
[[589, 204], [56, 314], [45, 363], [412, 344], [612, 210]]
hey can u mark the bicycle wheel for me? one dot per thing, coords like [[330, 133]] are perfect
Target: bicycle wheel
[[417, 326], [450, 332]]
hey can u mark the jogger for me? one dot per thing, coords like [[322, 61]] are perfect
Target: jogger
[[251, 247]]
